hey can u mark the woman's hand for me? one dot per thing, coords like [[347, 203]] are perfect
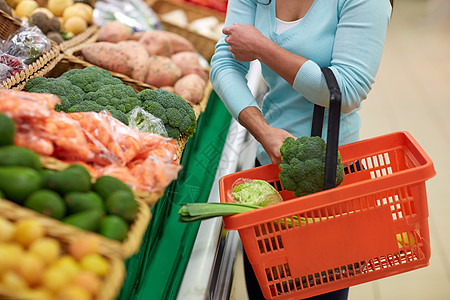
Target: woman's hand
[[271, 138], [245, 41], [272, 143]]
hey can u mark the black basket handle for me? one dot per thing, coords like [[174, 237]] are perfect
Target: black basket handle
[[334, 117]]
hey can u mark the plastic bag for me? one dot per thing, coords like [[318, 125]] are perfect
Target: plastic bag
[[143, 121], [27, 44], [133, 13], [254, 192]]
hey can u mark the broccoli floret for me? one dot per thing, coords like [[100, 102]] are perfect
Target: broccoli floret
[[85, 106], [173, 110], [303, 165], [117, 114], [121, 96], [91, 78], [69, 94]]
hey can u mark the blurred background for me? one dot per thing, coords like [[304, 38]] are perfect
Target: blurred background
[[411, 93]]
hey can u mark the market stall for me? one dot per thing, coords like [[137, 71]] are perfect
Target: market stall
[[60, 92]]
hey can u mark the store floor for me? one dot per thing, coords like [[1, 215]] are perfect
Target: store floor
[[412, 93]]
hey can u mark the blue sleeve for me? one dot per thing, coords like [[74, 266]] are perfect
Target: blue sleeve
[[356, 55], [228, 76]]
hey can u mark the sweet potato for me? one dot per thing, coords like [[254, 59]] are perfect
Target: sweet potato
[[191, 87], [168, 88], [188, 62], [124, 57], [156, 42], [136, 36], [138, 58], [162, 71], [114, 32], [179, 43]]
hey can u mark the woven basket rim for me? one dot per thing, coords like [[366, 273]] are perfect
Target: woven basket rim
[[41, 66], [112, 282], [123, 249], [80, 38]]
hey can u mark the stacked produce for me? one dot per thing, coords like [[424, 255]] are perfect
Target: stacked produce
[[58, 19], [20, 49], [37, 265], [94, 89], [159, 58], [102, 144], [106, 206]]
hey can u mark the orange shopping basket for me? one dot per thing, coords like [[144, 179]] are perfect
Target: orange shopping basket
[[373, 225]]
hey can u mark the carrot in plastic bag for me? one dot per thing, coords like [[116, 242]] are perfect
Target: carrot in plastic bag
[[19, 104], [33, 141]]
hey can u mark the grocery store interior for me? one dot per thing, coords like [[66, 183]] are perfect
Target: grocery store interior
[[411, 94]]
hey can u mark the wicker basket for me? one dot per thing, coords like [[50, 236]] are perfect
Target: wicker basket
[[204, 45], [112, 282], [79, 39], [145, 197], [123, 249], [41, 66]]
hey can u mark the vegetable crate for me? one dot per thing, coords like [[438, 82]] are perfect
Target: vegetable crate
[[373, 225]]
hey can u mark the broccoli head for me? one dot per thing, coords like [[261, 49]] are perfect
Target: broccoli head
[[91, 78], [176, 114], [303, 165], [69, 94], [121, 96]]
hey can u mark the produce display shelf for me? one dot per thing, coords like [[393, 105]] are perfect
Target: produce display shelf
[[111, 284], [124, 249], [41, 66]]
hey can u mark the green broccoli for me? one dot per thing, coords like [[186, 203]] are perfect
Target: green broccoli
[[303, 165], [176, 114], [85, 106], [69, 94], [121, 96], [119, 115], [91, 78]]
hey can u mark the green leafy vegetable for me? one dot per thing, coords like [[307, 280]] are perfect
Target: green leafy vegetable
[[256, 192], [303, 165]]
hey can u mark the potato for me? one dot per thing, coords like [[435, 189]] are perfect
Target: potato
[[136, 36], [138, 58], [126, 57], [168, 88], [87, 8], [156, 42], [162, 71], [57, 7], [75, 25], [179, 43], [74, 11], [114, 32], [108, 56], [191, 87], [188, 62], [25, 8]]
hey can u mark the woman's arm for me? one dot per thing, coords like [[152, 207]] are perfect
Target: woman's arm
[[247, 43], [356, 56], [269, 137]]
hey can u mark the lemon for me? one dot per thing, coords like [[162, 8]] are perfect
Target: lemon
[[46, 248], [27, 231], [95, 263], [6, 230], [54, 279]]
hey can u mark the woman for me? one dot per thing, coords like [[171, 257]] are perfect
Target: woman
[[293, 39]]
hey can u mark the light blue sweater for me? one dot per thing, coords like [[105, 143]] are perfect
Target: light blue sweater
[[346, 35]]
